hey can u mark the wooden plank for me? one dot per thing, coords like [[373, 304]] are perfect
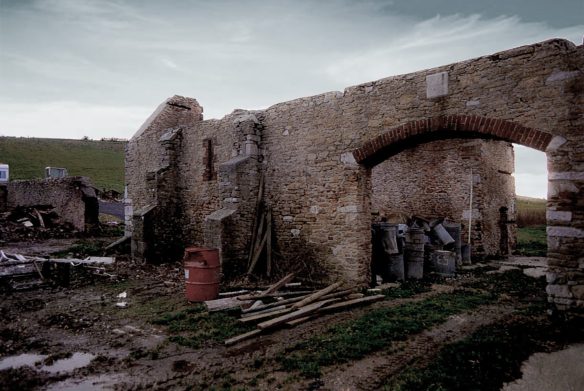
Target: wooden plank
[[269, 245], [233, 294], [317, 295], [275, 304], [272, 295], [257, 254], [349, 303], [225, 304], [302, 312], [298, 321], [279, 284], [241, 337], [265, 315], [250, 314], [256, 220], [118, 242]]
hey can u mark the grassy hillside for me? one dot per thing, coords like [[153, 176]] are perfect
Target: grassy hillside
[[530, 211], [102, 161]]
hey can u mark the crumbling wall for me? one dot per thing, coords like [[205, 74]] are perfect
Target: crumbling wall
[[433, 180], [73, 198], [318, 153], [152, 180]]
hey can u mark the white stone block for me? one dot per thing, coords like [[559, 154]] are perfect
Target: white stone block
[[288, 219], [556, 143], [295, 233], [437, 85], [568, 176], [348, 159], [348, 209], [314, 209], [565, 232], [556, 215]]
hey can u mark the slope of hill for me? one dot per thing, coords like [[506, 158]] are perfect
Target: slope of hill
[[102, 161]]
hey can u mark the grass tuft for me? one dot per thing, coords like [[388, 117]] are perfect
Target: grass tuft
[[374, 331]]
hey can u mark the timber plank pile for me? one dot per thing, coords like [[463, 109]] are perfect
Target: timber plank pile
[[271, 308]]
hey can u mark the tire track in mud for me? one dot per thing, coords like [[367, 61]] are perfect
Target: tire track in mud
[[377, 369]]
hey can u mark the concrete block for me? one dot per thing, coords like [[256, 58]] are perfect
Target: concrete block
[[437, 85]]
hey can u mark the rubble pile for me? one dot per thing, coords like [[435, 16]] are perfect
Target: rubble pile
[[34, 222]]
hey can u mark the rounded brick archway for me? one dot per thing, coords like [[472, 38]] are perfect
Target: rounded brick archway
[[564, 227], [449, 127]]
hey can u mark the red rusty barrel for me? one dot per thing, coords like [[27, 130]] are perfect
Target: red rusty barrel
[[201, 273]]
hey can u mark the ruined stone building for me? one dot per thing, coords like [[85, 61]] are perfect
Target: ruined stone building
[[399, 146], [73, 199]]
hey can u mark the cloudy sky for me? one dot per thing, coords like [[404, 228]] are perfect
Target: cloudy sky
[[98, 68]]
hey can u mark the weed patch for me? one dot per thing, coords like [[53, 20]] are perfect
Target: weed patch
[[374, 331], [532, 241], [513, 283], [490, 356], [408, 288], [194, 326]]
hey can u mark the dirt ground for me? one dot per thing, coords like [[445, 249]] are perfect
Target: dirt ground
[[101, 343]]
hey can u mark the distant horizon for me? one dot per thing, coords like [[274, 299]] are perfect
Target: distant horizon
[[99, 68], [125, 140]]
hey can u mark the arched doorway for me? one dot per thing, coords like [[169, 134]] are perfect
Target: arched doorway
[[565, 278]]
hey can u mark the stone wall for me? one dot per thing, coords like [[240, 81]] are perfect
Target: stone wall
[[317, 154], [433, 180], [73, 198]]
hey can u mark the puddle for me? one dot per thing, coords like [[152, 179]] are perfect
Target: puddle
[[21, 360], [77, 360], [99, 382]]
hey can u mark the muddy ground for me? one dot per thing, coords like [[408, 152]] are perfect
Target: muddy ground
[[83, 338]]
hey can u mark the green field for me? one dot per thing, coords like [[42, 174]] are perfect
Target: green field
[[531, 223], [102, 161]]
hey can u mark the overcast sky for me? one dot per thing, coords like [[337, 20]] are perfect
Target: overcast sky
[[98, 68]]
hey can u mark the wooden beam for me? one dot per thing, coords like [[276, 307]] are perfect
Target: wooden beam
[[225, 304], [304, 311], [269, 245], [265, 315], [349, 303], [317, 295], [241, 337]]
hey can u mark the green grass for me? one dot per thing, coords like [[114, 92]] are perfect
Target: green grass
[[513, 283], [408, 288], [490, 356], [195, 326], [376, 330], [532, 241], [102, 161]]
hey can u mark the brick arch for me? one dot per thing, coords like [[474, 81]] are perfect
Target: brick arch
[[467, 125]]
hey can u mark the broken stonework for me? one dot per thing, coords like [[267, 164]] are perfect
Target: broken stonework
[[73, 199], [301, 148]]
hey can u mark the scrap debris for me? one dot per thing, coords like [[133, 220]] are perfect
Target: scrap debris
[[15, 267], [287, 308]]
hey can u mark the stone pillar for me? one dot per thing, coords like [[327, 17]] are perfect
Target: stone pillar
[[565, 228]]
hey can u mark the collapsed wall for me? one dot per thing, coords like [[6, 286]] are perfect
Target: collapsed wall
[[73, 198], [195, 182], [433, 180]]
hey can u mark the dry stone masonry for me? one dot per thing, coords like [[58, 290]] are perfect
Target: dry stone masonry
[[329, 161]]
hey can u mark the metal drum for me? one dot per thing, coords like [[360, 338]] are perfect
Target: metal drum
[[202, 270]]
